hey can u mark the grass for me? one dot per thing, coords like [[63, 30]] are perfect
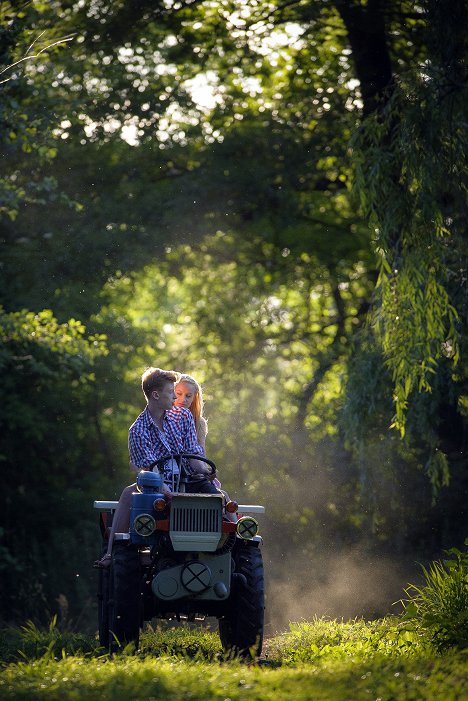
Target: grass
[[440, 606], [334, 640], [321, 660], [171, 679]]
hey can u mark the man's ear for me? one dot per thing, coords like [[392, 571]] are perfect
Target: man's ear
[[154, 394]]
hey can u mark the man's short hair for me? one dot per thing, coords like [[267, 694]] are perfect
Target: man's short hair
[[155, 379]]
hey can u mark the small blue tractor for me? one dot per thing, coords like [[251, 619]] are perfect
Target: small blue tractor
[[186, 557]]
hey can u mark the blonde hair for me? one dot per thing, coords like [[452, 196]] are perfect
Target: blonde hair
[[196, 407]]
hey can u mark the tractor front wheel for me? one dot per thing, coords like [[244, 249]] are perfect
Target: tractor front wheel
[[241, 630]]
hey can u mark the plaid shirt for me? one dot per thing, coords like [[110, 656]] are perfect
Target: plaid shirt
[[146, 443]]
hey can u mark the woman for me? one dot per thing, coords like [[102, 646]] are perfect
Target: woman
[[188, 396]]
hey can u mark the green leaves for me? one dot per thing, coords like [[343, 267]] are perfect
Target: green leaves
[[408, 157], [21, 333], [414, 323], [47, 374]]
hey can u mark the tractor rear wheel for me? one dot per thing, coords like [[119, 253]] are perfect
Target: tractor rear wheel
[[103, 604], [124, 597]]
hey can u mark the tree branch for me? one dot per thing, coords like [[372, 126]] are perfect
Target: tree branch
[[326, 360], [33, 56]]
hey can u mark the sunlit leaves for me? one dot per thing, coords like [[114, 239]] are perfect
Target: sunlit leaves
[[227, 310], [36, 345]]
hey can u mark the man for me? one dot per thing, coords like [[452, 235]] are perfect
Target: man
[[161, 429]]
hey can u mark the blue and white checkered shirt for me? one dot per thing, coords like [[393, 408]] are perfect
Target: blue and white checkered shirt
[[147, 443]]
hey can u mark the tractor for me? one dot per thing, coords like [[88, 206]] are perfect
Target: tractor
[[186, 557]]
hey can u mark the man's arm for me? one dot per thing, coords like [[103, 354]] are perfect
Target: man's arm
[[143, 454], [141, 449]]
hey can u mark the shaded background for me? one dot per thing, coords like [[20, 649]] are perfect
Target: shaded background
[[271, 197]]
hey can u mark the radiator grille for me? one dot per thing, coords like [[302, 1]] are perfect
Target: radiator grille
[[201, 519]]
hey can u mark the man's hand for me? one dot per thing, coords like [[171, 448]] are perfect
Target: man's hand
[[202, 469], [210, 474]]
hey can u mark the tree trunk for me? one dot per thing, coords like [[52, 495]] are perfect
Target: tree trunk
[[367, 36]]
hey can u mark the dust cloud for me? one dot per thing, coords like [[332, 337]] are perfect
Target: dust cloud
[[346, 585]]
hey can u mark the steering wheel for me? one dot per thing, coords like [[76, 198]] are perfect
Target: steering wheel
[[178, 458]]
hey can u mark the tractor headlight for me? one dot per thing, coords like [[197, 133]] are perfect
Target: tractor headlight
[[144, 525], [247, 527]]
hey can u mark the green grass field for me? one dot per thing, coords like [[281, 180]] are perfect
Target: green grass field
[[317, 661]]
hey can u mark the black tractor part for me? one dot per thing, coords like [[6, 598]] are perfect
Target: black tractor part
[[241, 629], [103, 603], [125, 600]]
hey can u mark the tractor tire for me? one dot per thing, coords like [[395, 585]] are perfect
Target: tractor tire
[[124, 597], [103, 604], [241, 630]]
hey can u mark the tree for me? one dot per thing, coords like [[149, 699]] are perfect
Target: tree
[[46, 382], [411, 154], [222, 233]]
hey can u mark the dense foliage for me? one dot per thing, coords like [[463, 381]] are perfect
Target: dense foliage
[[47, 376], [270, 196]]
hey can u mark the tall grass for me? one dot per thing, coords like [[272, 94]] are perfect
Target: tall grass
[[330, 639], [31, 642], [372, 667], [305, 642], [440, 606]]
